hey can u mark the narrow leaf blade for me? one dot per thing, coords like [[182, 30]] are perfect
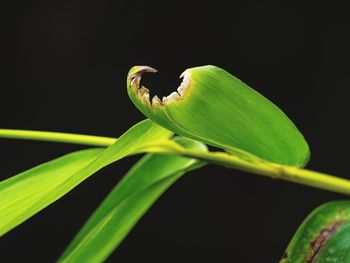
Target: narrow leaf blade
[[25, 194], [126, 203]]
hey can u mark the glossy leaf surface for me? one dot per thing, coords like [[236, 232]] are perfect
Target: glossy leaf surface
[[323, 237]]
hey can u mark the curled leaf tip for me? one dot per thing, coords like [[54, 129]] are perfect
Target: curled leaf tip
[[141, 93], [138, 70]]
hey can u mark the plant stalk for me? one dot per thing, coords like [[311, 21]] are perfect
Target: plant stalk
[[276, 171], [57, 137]]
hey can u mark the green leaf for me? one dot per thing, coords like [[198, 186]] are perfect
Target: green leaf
[[323, 237], [27, 193], [126, 203], [220, 110]]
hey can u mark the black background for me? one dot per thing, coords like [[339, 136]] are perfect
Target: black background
[[64, 69]]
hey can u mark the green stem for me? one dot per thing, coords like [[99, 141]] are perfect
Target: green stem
[[314, 179], [288, 173], [57, 137], [277, 171]]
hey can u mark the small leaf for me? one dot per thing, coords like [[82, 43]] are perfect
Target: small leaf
[[126, 203], [323, 236], [25, 194], [215, 107]]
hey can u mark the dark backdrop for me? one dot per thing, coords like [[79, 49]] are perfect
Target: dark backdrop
[[64, 69]]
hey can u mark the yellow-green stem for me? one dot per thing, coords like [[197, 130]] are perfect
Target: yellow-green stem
[[288, 173], [57, 137], [276, 171], [314, 179]]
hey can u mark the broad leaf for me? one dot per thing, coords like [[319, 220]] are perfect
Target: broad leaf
[[215, 107], [323, 237], [126, 203], [27, 193]]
